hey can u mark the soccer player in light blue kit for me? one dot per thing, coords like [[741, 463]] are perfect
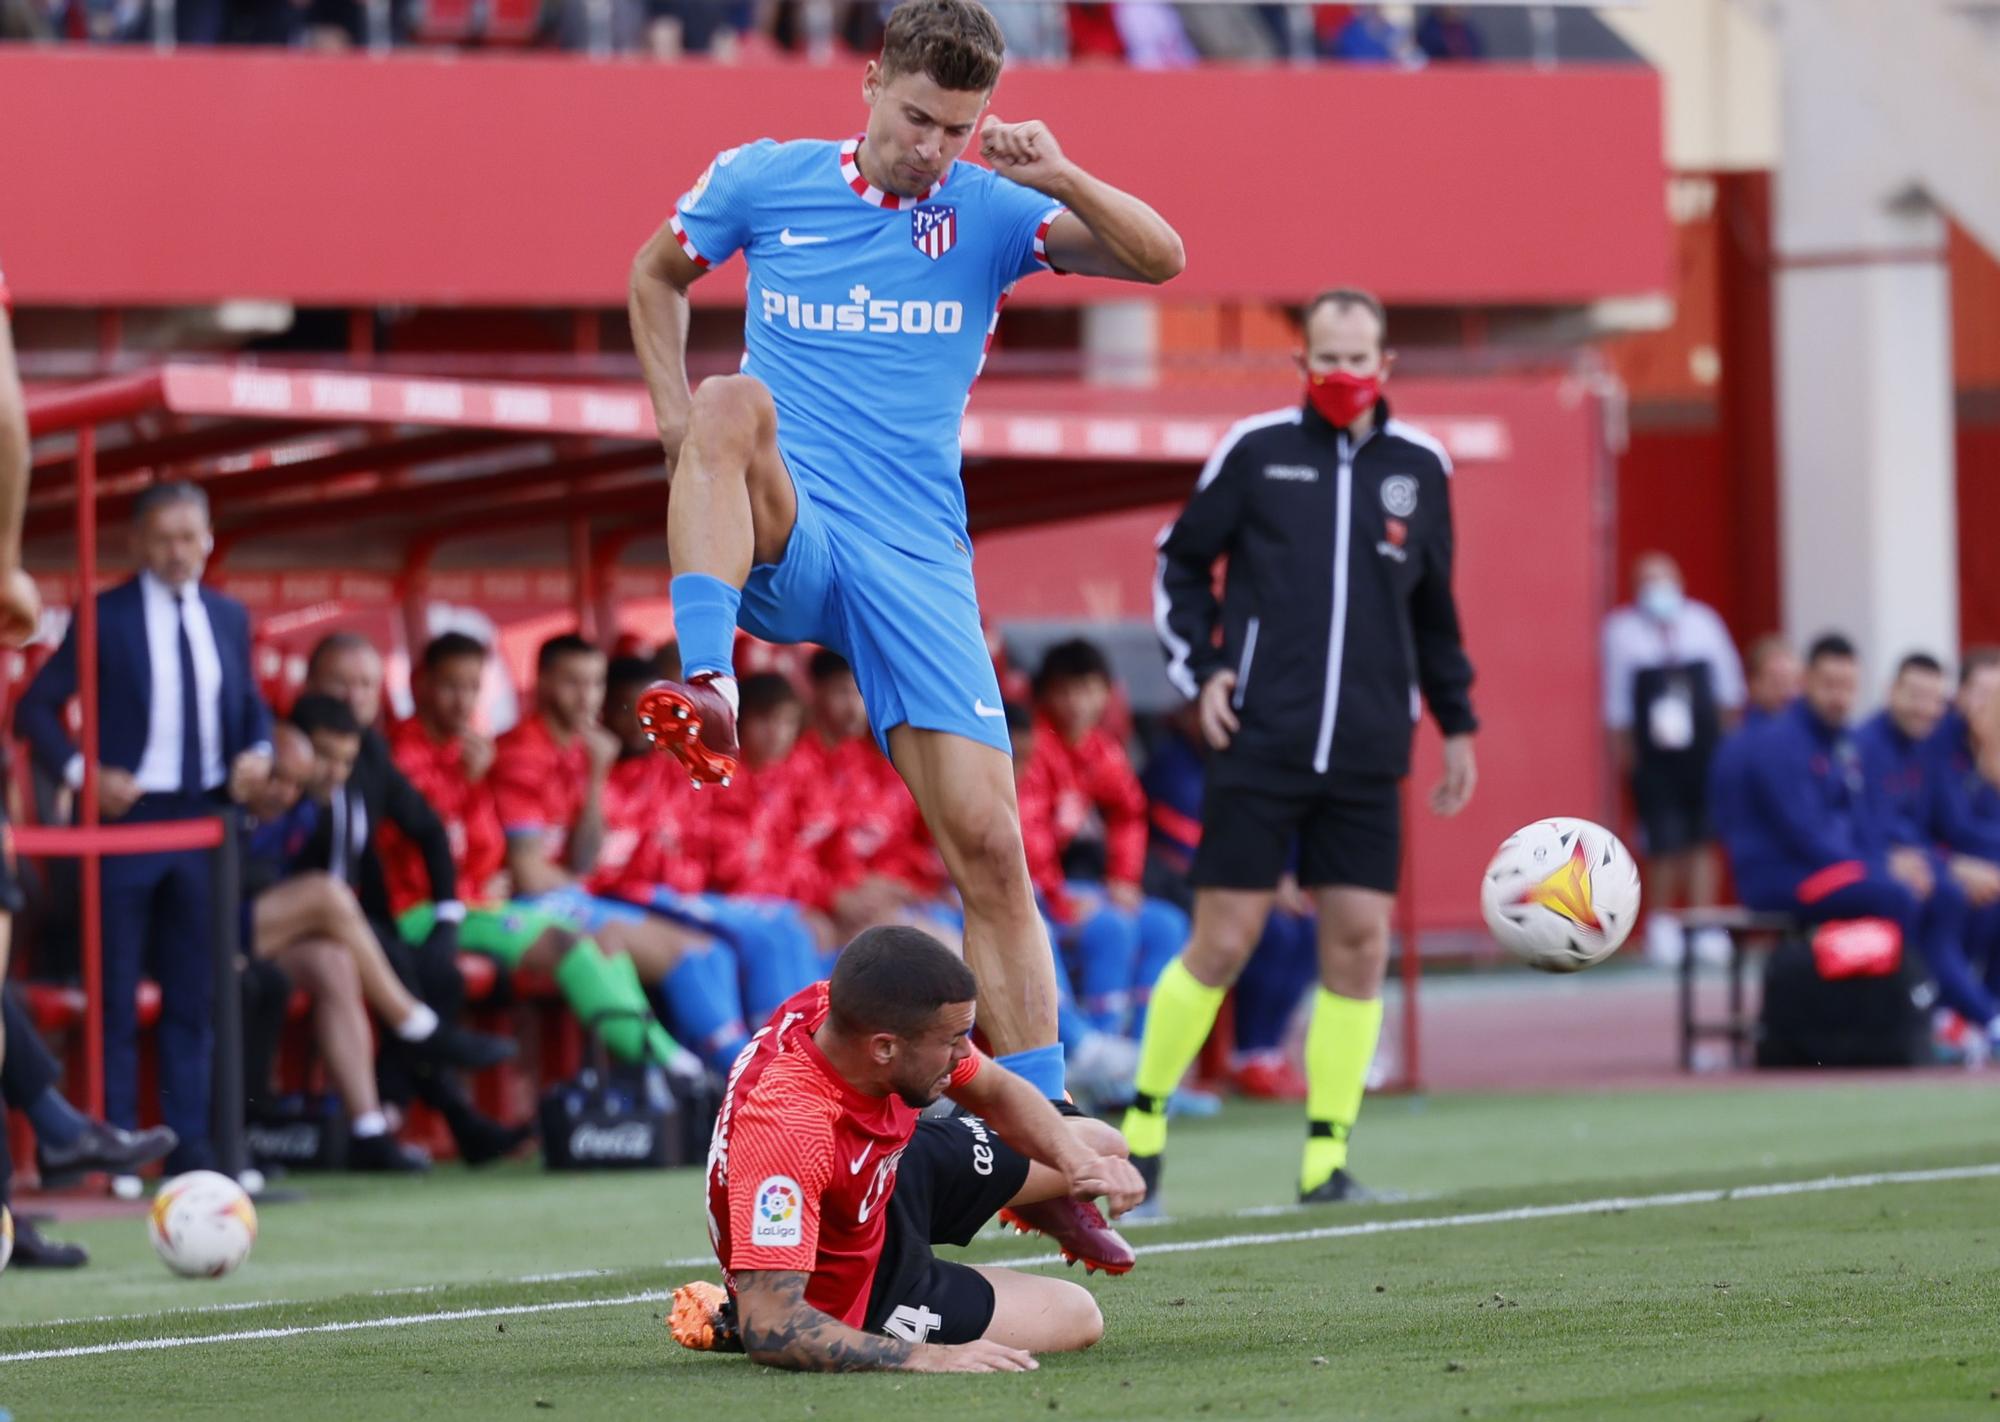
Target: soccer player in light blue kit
[[817, 495]]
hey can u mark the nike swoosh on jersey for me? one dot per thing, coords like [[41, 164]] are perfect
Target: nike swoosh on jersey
[[980, 708], [860, 1160], [798, 239]]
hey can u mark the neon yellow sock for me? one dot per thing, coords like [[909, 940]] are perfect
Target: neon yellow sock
[[1177, 1023], [1339, 1046]]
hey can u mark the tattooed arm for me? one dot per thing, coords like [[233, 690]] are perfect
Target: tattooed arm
[[781, 1330]]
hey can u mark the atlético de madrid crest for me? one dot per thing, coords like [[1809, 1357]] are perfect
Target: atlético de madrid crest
[[933, 230]]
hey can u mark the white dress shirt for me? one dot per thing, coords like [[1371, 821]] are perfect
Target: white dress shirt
[[1635, 641], [160, 767]]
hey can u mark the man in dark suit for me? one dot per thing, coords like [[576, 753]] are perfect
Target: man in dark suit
[[346, 666], [182, 732]]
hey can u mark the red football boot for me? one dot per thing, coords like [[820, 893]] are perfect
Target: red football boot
[[693, 723], [1080, 1232]]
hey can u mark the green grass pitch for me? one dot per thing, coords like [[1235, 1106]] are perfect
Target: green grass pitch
[[517, 1294]]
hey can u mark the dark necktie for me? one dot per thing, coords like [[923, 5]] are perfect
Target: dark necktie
[[190, 705]]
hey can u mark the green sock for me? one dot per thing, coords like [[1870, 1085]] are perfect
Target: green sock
[[1339, 1046], [1178, 1021], [595, 985]]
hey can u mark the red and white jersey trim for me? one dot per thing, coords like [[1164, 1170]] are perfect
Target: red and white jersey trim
[[687, 246], [1042, 238], [850, 170]]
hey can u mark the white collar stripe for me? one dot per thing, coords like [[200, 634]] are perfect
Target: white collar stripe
[[850, 169]]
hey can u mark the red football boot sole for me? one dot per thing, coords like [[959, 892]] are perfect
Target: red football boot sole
[[673, 722]]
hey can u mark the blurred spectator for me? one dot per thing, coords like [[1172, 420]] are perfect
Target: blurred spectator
[[1100, 813], [376, 806], [1370, 37], [182, 732], [1035, 31], [1817, 839], [653, 855], [1153, 35], [1093, 34], [1672, 683], [1773, 676], [447, 759], [1243, 34], [1445, 32], [548, 779], [710, 28]]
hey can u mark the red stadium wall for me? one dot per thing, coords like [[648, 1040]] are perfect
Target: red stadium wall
[[1530, 591], [138, 180]]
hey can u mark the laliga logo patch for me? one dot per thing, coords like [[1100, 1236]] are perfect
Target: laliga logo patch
[[1399, 495], [777, 1220], [933, 230]]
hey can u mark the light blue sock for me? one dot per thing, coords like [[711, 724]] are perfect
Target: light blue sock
[[705, 623], [1040, 1067], [704, 1006]]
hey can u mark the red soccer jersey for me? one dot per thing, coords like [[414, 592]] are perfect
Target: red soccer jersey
[[652, 830], [754, 836], [801, 1164], [860, 818], [1035, 790], [539, 786], [1096, 774], [478, 849]]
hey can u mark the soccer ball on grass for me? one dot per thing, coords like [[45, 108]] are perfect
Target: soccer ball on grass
[[202, 1224]]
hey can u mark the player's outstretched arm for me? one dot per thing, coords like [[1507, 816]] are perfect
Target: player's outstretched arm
[[657, 305], [781, 1330], [1106, 232], [1027, 1122]]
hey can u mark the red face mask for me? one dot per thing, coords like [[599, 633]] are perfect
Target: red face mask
[[1343, 398]]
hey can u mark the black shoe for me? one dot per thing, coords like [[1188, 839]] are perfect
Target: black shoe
[[1340, 1187], [103, 1147], [458, 1047], [1149, 1167], [483, 1140], [31, 1251], [386, 1153]]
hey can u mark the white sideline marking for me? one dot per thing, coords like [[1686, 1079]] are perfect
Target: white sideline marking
[[143, 1345], [1615, 1204]]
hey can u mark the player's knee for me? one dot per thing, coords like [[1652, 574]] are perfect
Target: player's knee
[[726, 405], [1082, 1320], [985, 839]]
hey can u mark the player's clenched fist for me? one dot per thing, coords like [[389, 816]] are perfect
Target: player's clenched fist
[[1026, 152]]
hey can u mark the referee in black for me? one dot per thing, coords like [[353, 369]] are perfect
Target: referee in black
[[1337, 612]]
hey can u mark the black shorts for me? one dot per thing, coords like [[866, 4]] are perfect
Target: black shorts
[[1349, 834], [1671, 795], [954, 1177]]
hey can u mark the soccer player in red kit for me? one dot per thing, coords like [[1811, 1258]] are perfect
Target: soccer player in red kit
[[826, 1192]]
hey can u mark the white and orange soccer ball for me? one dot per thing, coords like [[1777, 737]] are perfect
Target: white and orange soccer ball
[[6, 1237], [202, 1224], [1561, 894]]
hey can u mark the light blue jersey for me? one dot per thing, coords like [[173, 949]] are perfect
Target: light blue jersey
[[867, 316]]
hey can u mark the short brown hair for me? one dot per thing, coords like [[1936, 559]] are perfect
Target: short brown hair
[[1347, 298], [894, 978], [953, 43], [1976, 660]]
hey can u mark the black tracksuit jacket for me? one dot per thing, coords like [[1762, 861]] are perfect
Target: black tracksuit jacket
[[1337, 610]]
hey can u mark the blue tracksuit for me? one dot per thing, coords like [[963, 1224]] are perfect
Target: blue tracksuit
[[1814, 840], [1967, 810], [1727, 784], [1901, 772]]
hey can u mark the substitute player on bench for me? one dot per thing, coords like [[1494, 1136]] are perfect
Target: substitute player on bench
[[826, 1192], [817, 495]]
